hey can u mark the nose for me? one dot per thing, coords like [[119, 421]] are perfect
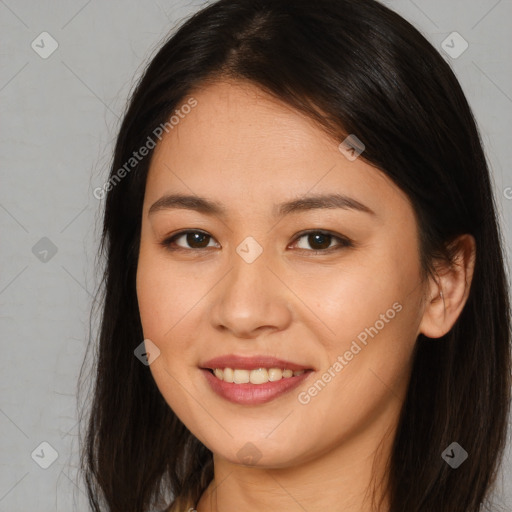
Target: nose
[[251, 298]]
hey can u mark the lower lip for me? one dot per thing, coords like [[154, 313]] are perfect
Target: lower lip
[[252, 394]]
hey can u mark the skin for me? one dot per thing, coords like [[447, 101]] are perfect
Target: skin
[[248, 151]]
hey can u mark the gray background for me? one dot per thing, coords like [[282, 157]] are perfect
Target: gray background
[[59, 117]]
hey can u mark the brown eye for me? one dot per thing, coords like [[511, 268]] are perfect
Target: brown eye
[[320, 241], [196, 240]]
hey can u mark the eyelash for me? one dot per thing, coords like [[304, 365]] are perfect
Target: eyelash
[[344, 242]]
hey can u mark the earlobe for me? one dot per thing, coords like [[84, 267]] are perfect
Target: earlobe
[[448, 291]]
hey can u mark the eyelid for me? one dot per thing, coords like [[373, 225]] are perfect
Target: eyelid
[[343, 241], [166, 242]]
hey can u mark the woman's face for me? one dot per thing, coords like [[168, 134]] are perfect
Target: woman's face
[[331, 286]]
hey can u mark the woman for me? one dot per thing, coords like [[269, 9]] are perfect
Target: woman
[[305, 303]]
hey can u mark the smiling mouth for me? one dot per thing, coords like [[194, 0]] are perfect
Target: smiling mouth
[[252, 387], [256, 376]]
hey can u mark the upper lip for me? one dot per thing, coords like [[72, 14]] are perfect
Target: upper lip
[[251, 363]]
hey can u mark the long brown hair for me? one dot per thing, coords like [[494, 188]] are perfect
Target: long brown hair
[[354, 66]]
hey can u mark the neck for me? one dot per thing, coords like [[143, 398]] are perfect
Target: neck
[[350, 477]]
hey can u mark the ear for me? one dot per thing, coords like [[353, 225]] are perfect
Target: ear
[[447, 295]]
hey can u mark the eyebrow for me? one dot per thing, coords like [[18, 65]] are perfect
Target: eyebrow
[[214, 208]]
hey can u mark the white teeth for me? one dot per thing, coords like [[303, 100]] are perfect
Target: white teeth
[[228, 375], [258, 376], [241, 376], [275, 374]]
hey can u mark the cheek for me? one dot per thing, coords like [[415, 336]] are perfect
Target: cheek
[[163, 305], [372, 314], [169, 298], [355, 297], [164, 295], [365, 376], [152, 302]]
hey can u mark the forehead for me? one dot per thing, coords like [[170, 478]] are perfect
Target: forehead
[[239, 142]]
